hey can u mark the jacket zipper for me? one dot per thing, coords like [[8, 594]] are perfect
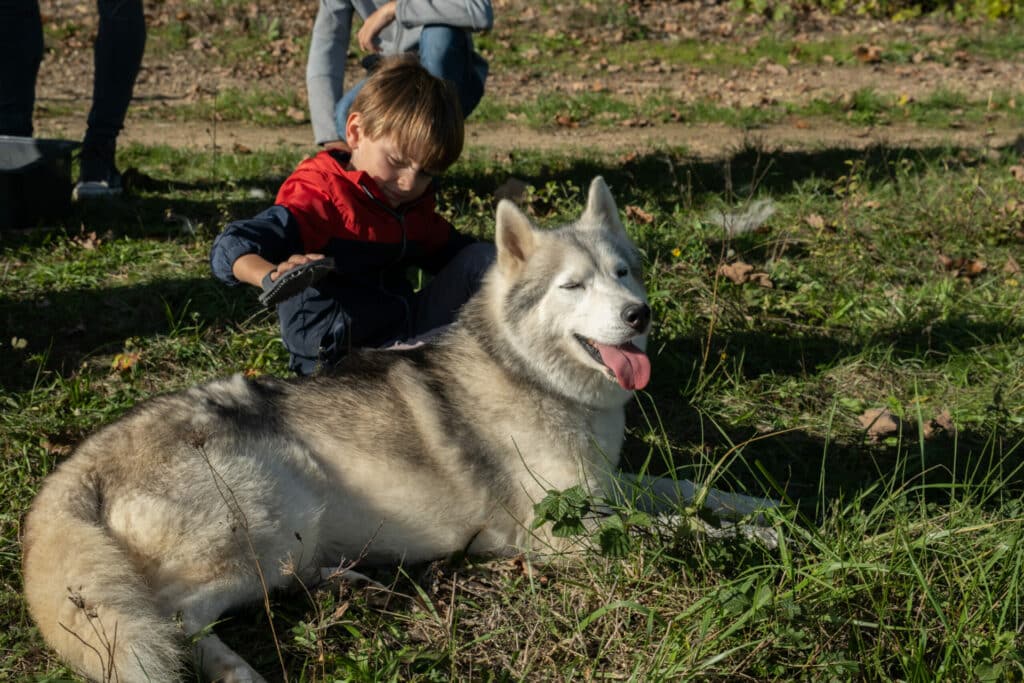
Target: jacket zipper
[[400, 217]]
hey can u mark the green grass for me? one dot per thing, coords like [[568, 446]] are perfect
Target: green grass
[[901, 555]]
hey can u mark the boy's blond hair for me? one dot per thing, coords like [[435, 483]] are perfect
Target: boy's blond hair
[[419, 111]]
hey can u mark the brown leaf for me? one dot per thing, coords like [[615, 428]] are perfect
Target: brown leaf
[[816, 221], [869, 54], [941, 423], [125, 361], [566, 121], [879, 422], [738, 272], [963, 267], [1011, 267], [1017, 171], [297, 115], [87, 240], [635, 213], [58, 449]]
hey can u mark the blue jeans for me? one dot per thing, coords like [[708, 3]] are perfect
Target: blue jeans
[[117, 54], [445, 52]]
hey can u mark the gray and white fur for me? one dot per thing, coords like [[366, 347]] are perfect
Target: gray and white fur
[[199, 501]]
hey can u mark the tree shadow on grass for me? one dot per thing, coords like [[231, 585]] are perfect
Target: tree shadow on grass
[[672, 178], [801, 465], [71, 325]]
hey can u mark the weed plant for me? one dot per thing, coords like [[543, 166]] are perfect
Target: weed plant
[[892, 286]]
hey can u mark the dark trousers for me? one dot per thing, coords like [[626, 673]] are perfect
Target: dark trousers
[[117, 54], [320, 325]]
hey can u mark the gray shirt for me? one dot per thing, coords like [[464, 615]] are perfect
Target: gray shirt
[[332, 31]]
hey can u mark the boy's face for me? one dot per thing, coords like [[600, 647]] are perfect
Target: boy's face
[[399, 178]]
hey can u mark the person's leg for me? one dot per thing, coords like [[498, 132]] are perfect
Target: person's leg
[[344, 105], [439, 302], [447, 53], [21, 52], [117, 55], [325, 65]]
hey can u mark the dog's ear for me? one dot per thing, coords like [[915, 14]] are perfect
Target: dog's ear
[[601, 211], [514, 238]]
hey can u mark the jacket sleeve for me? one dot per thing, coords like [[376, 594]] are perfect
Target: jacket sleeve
[[273, 234], [317, 217], [472, 15], [325, 66]]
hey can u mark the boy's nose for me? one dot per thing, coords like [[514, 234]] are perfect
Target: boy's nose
[[406, 180]]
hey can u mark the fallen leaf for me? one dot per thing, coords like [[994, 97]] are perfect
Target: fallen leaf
[[87, 241], [1011, 267], [816, 221], [566, 121], [963, 267], [637, 214], [125, 361], [738, 272], [869, 54], [879, 422], [1017, 171], [741, 273], [58, 449], [941, 423]]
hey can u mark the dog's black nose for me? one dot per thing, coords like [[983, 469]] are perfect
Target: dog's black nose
[[637, 316]]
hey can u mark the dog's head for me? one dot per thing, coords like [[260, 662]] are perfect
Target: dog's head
[[572, 300]]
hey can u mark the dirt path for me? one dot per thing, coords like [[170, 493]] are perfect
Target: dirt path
[[183, 76], [699, 140]]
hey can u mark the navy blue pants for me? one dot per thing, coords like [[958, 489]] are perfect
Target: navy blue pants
[[117, 55], [320, 325]]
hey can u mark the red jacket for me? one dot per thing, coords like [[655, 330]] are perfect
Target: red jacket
[[323, 208], [330, 203]]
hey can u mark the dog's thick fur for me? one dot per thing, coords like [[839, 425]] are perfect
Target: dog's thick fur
[[199, 501]]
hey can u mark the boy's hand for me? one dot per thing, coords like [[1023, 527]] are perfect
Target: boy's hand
[[374, 24], [293, 260], [292, 276]]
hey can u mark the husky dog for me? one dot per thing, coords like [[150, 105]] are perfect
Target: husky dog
[[203, 500]]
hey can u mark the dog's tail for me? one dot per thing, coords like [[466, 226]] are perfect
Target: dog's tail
[[91, 605]]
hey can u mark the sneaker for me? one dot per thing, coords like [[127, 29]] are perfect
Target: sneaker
[[98, 177]]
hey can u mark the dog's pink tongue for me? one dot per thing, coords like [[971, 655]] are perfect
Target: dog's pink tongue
[[631, 366]]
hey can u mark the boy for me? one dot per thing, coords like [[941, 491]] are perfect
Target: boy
[[333, 251]]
